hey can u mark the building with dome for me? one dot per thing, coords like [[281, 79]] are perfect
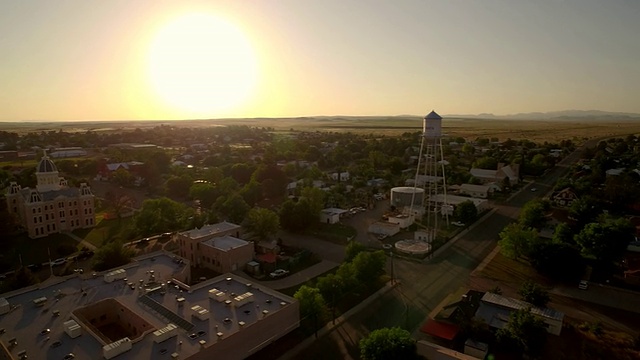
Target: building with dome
[[53, 206]]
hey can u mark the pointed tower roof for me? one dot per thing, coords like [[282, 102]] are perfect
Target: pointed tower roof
[[433, 116]]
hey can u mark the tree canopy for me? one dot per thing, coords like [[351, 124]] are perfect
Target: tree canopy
[[516, 240], [524, 331], [606, 241], [261, 222], [162, 215], [466, 212], [533, 214], [111, 255], [534, 294], [388, 344]]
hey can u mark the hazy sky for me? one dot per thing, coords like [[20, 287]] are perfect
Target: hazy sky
[[123, 59]]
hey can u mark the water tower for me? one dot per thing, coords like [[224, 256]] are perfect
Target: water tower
[[430, 175]]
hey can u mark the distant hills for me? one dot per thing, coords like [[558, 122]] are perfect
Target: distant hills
[[565, 114]]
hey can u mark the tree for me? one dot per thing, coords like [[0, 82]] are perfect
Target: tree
[[241, 173], [118, 202], [516, 240], [232, 207], [466, 212], [585, 210], [388, 344], [206, 193], [534, 294], [353, 249], [178, 186], [607, 241], [111, 255], [558, 261], [563, 234], [532, 214], [486, 162], [369, 266], [162, 215], [525, 331], [122, 177], [312, 305], [252, 192], [316, 199], [262, 223]]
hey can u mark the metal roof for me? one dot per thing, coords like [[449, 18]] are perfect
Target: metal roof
[[433, 116], [510, 303]]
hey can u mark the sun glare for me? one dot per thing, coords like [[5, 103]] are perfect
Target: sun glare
[[202, 64]]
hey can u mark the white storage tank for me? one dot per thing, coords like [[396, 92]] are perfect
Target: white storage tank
[[402, 196], [432, 125]]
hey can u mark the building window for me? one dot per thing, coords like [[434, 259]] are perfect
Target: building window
[[48, 228], [61, 213], [34, 211], [54, 227], [40, 218], [46, 216], [39, 210], [75, 203], [36, 231], [35, 219], [76, 211]]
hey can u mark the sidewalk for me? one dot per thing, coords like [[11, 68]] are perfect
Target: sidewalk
[[81, 241]]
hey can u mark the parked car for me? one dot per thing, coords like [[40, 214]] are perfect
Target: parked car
[[457, 223], [59, 262], [534, 189], [69, 356], [279, 273], [583, 285], [56, 344]]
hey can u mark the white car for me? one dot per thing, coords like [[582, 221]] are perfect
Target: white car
[[279, 273], [534, 189], [583, 285], [457, 223], [59, 262]]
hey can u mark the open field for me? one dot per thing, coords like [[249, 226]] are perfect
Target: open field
[[535, 130]]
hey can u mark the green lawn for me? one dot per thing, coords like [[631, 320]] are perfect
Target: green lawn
[[335, 233], [105, 230]]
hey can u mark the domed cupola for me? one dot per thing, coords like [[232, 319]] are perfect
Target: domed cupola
[[46, 165], [47, 175]]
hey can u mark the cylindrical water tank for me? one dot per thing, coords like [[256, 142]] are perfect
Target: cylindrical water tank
[[432, 125], [402, 196]]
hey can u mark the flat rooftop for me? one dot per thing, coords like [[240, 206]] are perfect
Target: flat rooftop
[[209, 230], [25, 321], [225, 243]]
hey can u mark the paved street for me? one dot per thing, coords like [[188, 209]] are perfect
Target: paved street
[[424, 286]]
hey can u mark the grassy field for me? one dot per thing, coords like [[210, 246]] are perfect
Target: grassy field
[[105, 230], [535, 130]]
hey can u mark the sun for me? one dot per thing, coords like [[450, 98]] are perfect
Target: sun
[[202, 64]]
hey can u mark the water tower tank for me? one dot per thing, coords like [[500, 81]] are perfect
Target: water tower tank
[[404, 196], [432, 125]]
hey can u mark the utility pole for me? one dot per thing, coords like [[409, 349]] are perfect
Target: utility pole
[[392, 277]]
